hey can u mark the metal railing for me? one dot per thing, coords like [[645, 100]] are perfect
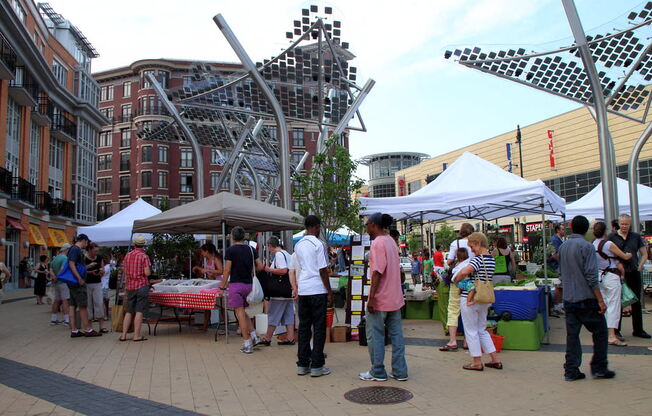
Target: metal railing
[[62, 208], [43, 201], [152, 111], [6, 181], [23, 80], [44, 105], [7, 53], [63, 124], [23, 190]]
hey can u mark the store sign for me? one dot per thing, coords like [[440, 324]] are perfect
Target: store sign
[[403, 245], [526, 240], [505, 230], [533, 227]]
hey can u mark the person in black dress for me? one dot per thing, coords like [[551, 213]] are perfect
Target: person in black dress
[[41, 280]]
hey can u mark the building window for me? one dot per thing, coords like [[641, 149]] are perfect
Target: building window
[[162, 179], [162, 77], [108, 113], [147, 154], [186, 182], [103, 210], [383, 190], [106, 93], [104, 185], [186, 157], [12, 149], [126, 113], [55, 178], [146, 179], [414, 186], [214, 177], [124, 161], [20, 12], [124, 204], [162, 154], [126, 89], [104, 162], [215, 157], [124, 186], [184, 201], [105, 139], [297, 138], [125, 138], [187, 81], [34, 152]]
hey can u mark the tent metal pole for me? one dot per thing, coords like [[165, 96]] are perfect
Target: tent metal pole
[[224, 298], [545, 265], [633, 178], [422, 236]]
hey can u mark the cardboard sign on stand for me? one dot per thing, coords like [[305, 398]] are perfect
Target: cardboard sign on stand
[[358, 285]]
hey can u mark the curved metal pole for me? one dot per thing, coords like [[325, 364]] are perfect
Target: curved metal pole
[[199, 160], [607, 156], [632, 170]]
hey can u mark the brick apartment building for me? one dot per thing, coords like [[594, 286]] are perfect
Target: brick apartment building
[[49, 123], [130, 168]]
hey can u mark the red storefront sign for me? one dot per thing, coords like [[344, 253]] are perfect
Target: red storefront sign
[[533, 227]]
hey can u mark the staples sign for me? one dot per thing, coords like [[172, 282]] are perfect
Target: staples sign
[[533, 227]]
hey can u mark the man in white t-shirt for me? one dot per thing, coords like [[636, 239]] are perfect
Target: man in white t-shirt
[[314, 292]]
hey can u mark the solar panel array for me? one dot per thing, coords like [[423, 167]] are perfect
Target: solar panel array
[[562, 71], [312, 80]]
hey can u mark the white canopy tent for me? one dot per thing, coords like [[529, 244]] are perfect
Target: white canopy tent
[[471, 188], [116, 230], [591, 204]]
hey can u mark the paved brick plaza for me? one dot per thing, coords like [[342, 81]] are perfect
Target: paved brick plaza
[[182, 373]]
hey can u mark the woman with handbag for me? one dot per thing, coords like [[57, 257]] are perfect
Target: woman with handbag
[[280, 310], [474, 317]]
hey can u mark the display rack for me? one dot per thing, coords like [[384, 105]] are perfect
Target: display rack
[[359, 284]]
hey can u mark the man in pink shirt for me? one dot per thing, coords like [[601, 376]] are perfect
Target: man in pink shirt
[[384, 303]]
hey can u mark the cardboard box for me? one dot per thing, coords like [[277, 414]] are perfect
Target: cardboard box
[[341, 333]]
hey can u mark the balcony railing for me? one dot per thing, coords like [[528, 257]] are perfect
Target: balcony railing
[[6, 181], [43, 201], [63, 124], [45, 105], [23, 190], [7, 53], [157, 110], [62, 208]]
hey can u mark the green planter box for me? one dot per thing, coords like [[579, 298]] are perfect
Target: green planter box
[[418, 309], [435, 311], [521, 335]]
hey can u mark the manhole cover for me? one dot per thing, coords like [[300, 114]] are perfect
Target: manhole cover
[[378, 395]]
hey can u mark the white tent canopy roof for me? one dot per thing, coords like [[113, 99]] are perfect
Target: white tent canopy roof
[[591, 204], [116, 230], [470, 188], [344, 230]]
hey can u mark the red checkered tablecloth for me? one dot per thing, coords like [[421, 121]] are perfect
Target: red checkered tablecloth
[[185, 300]]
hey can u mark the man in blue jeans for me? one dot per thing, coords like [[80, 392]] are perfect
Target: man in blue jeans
[[384, 303], [583, 304]]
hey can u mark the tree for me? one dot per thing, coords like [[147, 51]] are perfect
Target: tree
[[171, 252], [326, 189], [444, 235]]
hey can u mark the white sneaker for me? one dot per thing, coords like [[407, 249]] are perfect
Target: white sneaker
[[368, 377], [247, 349], [318, 372], [398, 378]]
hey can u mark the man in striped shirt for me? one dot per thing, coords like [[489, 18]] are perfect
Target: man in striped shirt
[[137, 269]]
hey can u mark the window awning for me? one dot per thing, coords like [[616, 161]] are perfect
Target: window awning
[[15, 224], [35, 236], [57, 237]]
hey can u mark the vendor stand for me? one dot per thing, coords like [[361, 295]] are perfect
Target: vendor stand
[[472, 188], [217, 213]]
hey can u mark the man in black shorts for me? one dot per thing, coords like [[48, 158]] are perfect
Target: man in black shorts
[[78, 295]]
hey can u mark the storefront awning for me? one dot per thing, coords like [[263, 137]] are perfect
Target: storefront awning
[[15, 224], [57, 237], [35, 236]]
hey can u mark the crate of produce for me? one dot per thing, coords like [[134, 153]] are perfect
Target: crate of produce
[[167, 286], [196, 285], [523, 305]]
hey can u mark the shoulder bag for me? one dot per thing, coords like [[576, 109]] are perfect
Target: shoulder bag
[[484, 289], [278, 286]]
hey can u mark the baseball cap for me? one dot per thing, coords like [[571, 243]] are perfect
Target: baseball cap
[[65, 246]]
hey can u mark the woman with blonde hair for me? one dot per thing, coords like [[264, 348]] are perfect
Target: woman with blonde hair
[[474, 317]]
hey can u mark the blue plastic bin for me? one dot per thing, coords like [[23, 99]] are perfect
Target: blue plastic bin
[[524, 305]]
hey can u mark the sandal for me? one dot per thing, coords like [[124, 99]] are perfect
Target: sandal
[[618, 343], [104, 331], [472, 368], [140, 339], [286, 342], [448, 348], [122, 339], [497, 366]]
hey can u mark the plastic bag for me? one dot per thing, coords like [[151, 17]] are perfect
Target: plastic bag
[[627, 297], [256, 295]]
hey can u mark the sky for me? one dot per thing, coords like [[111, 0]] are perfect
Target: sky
[[421, 102]]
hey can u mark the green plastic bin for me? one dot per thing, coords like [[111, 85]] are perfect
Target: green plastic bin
[[521, 335], [418, 309]]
